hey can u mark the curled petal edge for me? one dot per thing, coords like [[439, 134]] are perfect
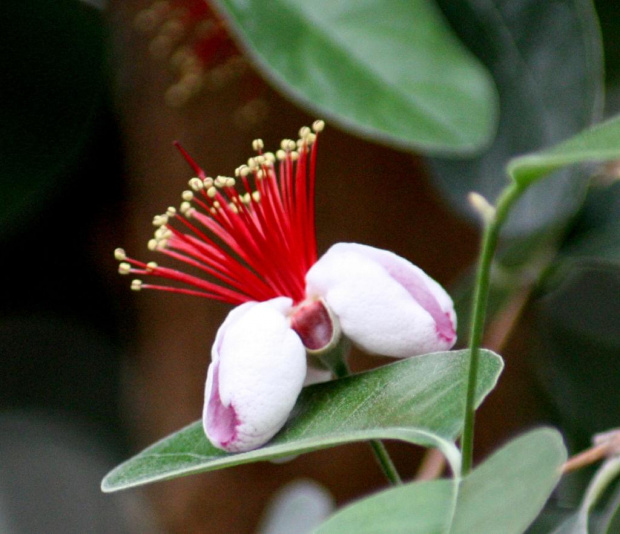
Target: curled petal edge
[[385, 304], [257, 371]]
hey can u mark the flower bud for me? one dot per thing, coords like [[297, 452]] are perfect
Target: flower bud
[[385, 304], [257, 371]]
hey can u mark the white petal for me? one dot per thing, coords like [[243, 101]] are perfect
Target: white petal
[[385, 304], [317, 376], [257, 371]]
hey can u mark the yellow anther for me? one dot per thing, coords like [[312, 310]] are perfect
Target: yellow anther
[[207, 182], [162, 233], [260, 160], [256, 196], [244, 170], [136, 285], [153, 244], [482, 206], [246, 199], [233, 207], [146, 20], [318, 126], [287, 144], [252, 164], [119, 254], [217, 205], [294, 155], [258, 145], [180, 57], [230, 182], [220, 181], [187, 195], [196, 184], [303, 132], [310, 138], [269, 156], [185, 207], [177, 95], [171, 211], [211, 192], [124, 268], [161, 46], [151, 265], [160, 220], [174, 28], [281, 155]]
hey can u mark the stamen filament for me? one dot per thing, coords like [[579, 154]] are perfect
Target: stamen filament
[[255, 239]]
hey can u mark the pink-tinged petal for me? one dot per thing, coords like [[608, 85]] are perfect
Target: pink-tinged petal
[[257, 371], [317, 376], [385, 304]]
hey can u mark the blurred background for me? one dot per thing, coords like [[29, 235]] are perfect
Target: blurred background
[[94, 93]]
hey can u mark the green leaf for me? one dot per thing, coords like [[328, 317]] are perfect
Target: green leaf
[[599, 143], [508, 491], [579, 319], [417, 508], [610, 520], [546, 60], [419, 400], [594, 239], [579, 523], [578, 342], [504, 494], [385, 69]]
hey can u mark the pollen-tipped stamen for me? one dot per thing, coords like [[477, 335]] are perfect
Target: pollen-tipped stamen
[[257, 240]]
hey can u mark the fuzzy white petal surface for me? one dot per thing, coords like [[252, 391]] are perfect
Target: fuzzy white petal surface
[[385, 304], [260, 364]]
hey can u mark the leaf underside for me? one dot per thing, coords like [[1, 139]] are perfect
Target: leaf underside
[[386, 69]]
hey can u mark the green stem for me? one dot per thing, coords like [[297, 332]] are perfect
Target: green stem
[[336, 360], [479, 306], [385, 462]]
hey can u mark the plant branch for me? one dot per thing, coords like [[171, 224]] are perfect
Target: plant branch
[[335, 359], [385, 462], [497, 335], [490, 238]]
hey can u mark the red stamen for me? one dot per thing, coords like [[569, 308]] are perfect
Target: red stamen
[[196, 168], [253, 247]]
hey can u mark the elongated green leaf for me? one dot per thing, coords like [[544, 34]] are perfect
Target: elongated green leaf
[[504, 494], [579, 523], [419, 400], [600, 143], [595, 236], [507, 492], [610, 520], [546, 59], [385, 69]]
